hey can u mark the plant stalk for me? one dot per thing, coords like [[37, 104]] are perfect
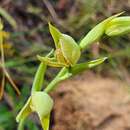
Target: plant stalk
[[62, 75]]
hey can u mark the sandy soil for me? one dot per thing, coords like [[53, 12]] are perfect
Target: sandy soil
[[91, 102]]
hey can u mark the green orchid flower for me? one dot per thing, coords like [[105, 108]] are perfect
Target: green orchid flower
[[67, 51], [41, 103], [104, 27], [118, 26], [66, 55]]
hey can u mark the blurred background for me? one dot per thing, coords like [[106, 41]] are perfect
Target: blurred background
[[26, 22]]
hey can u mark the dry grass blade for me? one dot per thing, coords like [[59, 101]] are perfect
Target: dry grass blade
[[5, 72], [53, 13], [51, 10], [8, 17], [9, 100], [2, 64], [2, 86], [11, 81]]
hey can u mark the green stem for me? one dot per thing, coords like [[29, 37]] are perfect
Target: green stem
[[39, 77], [62, 75], [68, 72], [21, 124]]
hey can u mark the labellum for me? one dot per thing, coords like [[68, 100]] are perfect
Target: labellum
[[41, 103]]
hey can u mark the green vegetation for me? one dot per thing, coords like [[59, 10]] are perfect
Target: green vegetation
[[66, 55], [28, 35]]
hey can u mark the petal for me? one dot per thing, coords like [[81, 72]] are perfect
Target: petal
[[51, 62], [117, 31], [26, 110], [70, 49], [56, 34], [45, 121], [96, 33], [87, 65], [118, 26], [42, 103]]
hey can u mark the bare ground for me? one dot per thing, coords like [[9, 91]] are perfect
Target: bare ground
[[91, 102]]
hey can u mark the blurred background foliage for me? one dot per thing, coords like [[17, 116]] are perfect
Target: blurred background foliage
[[27, 24]]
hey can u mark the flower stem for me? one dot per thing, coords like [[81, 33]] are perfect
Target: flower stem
[[62, 75], [21, 124], [39, 77]]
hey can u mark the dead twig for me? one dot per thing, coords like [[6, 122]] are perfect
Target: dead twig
[[51, 10], [5, 72]]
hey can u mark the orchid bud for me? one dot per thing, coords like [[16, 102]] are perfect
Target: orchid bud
[[41, 103], [67, 51], [96, 33], [118, 26]]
